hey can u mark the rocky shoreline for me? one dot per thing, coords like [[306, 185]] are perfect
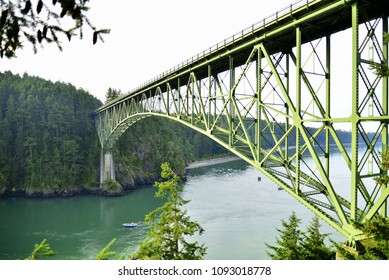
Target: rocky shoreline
[[82, 190]]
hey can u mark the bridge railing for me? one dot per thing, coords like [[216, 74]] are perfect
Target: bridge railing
[[230, 40]]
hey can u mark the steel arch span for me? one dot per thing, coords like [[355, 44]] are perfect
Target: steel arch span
[[278, 95]]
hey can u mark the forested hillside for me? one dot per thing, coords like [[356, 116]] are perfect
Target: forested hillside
[[47, 143], [48, 146]]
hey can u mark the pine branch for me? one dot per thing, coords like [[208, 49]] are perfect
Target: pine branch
[[104, 254], [41, 250]]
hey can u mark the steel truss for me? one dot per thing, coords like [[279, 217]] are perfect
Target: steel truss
[[274, 109]]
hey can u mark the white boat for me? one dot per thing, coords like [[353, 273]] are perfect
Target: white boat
[[130, 225]]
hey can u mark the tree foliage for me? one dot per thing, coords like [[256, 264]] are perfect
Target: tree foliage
[[381, 70], [294, 244], [170, 224], [39, 22]]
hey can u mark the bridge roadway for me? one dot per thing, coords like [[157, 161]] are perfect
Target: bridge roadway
[[267, 94]]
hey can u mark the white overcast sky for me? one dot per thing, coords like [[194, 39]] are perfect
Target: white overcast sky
[[147, 37]]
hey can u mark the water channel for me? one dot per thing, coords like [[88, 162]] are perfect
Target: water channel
[[238, 212]]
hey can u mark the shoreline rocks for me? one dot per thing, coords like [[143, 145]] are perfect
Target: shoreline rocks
[[127, 183]]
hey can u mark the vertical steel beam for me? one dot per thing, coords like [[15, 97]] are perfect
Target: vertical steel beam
[[354, 118], [209, 98], [328, 102], [231, 96], [297, 116], [215, 99], [287, 119], [385, 92], [200, 104], [258, 98], [179, 98], [192, 91], [187, 102], [168, 93]]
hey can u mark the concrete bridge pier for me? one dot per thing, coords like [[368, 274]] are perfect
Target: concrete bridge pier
[[107, 166]]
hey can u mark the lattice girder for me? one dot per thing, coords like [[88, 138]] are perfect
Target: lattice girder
[[272, 105]]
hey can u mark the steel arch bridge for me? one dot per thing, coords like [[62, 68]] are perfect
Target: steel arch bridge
[[276, 95]]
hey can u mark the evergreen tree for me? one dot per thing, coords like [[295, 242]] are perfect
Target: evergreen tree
[[112, 94], [313, 243], [169, 225], [289, 242], [294, 244]]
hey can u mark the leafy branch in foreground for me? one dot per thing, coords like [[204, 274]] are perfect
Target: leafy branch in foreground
[[104, 254], [381, 70], [383, 179], [41, 250], [38, 22]]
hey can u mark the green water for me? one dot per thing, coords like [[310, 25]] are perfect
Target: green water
[[238, 212], [77, 227]]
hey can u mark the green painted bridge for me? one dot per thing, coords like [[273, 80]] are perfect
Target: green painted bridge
[[279, 95]]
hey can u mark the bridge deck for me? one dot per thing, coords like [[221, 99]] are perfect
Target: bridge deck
[[316, 19]]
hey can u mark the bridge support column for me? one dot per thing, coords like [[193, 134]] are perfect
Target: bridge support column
[[107, 166]]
